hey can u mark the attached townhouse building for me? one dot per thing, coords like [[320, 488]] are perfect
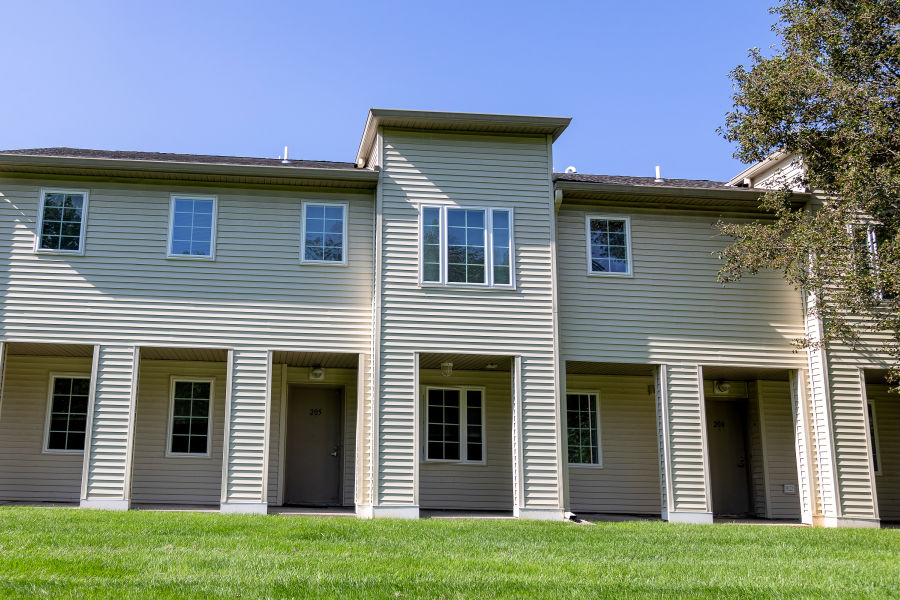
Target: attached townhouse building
[[444, 323]]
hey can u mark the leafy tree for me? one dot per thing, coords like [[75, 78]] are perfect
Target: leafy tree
[[828, 96]]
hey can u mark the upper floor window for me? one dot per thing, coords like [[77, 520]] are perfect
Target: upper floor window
[[583, 428], [67, 413], [466, 246], [454, 428], [324, 233], [192, 227], [869, 243], [190, 413], [608, 245], [61, 221]]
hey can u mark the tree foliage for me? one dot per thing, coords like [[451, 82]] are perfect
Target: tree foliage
[[829, 97]]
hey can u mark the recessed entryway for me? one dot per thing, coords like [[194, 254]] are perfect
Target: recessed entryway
[[728, 456], [313, 446]]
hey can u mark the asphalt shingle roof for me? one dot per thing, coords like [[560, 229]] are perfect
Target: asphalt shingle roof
[[177, 158], [647, 181]]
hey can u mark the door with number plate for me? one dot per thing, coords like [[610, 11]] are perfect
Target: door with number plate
[[312, 474]]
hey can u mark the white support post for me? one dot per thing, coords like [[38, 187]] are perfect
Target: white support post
[[109, 437], [684, 461], [246, 450]]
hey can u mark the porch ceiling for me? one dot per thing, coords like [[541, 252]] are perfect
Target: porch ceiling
[[465, 362], [187, 354], [35, 349], [745, 373], [876, 376], [326, 360], [579, 367]]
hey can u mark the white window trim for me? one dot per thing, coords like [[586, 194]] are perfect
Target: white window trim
[[599, 463], [49, 411], [876, 454], [40, 222], [463, 450], [587, 242], [212, 240], [489, 249], [346, 241], [209, 418]]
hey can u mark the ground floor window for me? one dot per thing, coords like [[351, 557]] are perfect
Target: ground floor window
[[583, 428], [67, 413], [190, 414], [454, 424]]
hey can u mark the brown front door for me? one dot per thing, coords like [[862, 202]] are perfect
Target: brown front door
[[312, 474], [726, 423]]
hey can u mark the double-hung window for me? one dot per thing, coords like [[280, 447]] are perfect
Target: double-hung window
[[466, 246], [62, 221], [192, 227], [454, 424], [67, 413], [608, 245], [190, 416], [583, 428], [324, 233], [869, 244]]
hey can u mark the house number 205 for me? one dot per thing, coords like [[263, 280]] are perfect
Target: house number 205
[[315, 412]]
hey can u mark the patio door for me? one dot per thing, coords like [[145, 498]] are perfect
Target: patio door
[[312, 475]]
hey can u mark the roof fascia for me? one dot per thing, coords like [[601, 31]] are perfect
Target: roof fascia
[[455, 121], [753, 170], [17, 163]]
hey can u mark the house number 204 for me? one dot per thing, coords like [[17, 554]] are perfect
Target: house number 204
[[315, 412]]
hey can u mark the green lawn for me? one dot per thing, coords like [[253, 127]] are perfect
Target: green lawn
[[67, 553]]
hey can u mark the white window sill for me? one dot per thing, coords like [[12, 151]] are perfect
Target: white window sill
[[593, 274], [49, 252], [466, 286], [325, 263], [585, 466], [190, 257], [50, 451], [188, 455]]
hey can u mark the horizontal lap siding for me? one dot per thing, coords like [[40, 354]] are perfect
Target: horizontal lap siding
[[686, 439], [757, 462], [628, 482], [886, 408], [26, 473], [464, 486], [125, 290], [781, 453], [161, 479], [245, 479], [466, 170], [672, 309], [110, 423]]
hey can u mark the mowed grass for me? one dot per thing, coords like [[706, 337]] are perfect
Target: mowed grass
[[68, 553]]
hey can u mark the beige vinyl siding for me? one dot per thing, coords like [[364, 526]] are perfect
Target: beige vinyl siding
[[685, 439], [780, 449], [808, 483], [109, 440], [246, 423], [628, 482], [672, 309], [346, 379], [756, 458], [477, 171], [161, 479], [125, 290], [26, 473], [364, 428], [456, 485], [886, 408]]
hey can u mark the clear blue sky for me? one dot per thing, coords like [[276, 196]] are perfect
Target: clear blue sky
[[645, 82]]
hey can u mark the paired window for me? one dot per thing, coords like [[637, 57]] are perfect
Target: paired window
[[454, 424], [466, 246], [192, 227], [583, 428], [324, 233], [608, 245], [62, 221], [67, 413], [190, 417]]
